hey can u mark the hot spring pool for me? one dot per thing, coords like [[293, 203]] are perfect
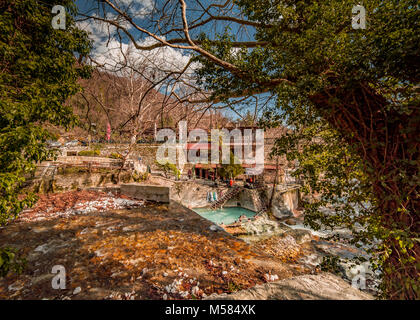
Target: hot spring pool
[[226, 215]]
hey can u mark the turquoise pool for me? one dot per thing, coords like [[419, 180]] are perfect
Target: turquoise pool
[[226, 215]]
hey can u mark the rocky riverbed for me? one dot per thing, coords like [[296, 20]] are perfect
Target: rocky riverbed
[[146, 251], [296, 244]]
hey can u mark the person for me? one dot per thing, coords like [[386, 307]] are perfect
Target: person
[[189, 173], [230, 183]]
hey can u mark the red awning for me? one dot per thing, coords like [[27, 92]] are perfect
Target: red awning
[[205, 166]]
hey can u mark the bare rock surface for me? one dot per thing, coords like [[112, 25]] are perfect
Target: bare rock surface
[[323, 286], [147, 251]]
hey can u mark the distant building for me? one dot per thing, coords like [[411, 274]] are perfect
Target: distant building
[[209, 171]]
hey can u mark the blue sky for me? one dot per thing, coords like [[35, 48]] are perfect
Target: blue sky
[[107, 39]]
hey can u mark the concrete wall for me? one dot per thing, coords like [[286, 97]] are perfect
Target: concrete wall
[[188, 193], [194, 195], [79, 160], [146, 192], [247, 198], [74, 178]]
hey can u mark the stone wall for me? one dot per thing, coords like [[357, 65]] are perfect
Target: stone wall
[[189, 193], [66, 179], [194, 195], [85, 160], [146, 192]]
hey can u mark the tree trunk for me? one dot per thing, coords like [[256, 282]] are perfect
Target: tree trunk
[[274, 184], [387, 141], [133, 141]]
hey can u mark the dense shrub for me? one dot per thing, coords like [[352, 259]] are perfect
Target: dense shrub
[[90, 153], [115, 155], [9, 261]]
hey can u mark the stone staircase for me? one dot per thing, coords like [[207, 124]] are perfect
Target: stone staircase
[[227, 196]]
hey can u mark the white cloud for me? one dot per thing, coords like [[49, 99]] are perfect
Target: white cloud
[[111, 53], [136, 8]]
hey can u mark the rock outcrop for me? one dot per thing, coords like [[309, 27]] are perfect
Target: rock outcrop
[[323, 286]]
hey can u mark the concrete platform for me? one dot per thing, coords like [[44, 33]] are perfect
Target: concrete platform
[[146, 192]]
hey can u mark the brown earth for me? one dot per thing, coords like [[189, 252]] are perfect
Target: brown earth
[[152, 252]]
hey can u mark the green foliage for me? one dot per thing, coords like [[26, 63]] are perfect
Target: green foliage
[[350, 98], [230, 170], [10, 261], [330, 264], [90, 153], [233, 287], [39, 72], [338, 194], [169, 168], [140, 177]]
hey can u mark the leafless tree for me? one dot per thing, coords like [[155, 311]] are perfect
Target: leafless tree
[[176, 24]]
